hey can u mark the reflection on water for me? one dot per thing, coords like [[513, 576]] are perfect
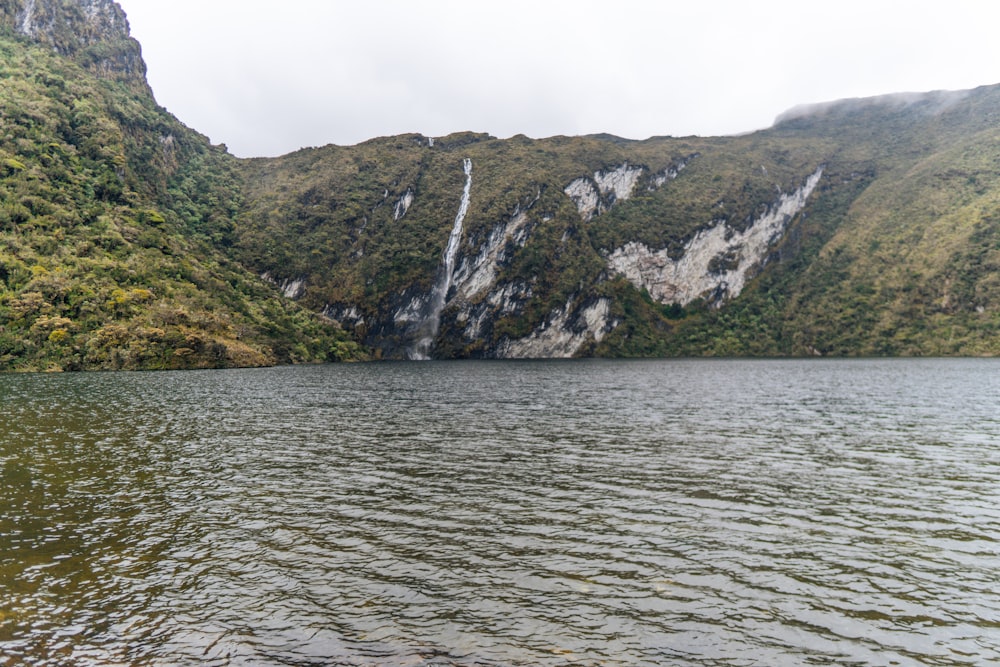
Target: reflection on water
[[584, 513]]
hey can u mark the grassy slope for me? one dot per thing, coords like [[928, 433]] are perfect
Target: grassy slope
[[899, 251], [123, 234], [111, 213], [327, 214], [896, 253]]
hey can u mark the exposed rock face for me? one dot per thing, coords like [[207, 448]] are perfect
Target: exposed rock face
[[349, 315], [584, 194], [291, 288], [479, 273], [620, 182], [717, 262], [481, 300], [403, 205], [565, 332], [670, 173], [594, 196], [94, 32], [503, 300]]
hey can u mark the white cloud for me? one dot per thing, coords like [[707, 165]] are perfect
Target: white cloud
[[268, 77]]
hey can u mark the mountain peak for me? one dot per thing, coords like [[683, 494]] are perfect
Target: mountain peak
[[93, 32]]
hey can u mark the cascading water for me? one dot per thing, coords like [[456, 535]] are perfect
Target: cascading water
[[428, 327]]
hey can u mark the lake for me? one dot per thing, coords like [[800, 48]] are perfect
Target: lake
[[723, 512]]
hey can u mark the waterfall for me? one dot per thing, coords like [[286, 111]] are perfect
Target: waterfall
[[428, 327]]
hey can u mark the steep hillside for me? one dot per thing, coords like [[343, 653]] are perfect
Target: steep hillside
[[94, 33], [863, 227], [113, 214], [902, 257]]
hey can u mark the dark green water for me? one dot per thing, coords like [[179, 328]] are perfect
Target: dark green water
[[587, 513]]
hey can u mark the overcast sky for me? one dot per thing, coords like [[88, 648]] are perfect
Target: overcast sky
[[267, 77]]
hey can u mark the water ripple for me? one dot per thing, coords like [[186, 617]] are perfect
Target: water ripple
[[586, 513]]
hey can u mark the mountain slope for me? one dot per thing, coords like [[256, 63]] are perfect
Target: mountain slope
[[862, 227], [914, 262], [112, 216]]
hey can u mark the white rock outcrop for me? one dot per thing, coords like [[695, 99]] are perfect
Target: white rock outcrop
[[620, 181], [403, 205], [584, 194], [717, 262], [291, 288], [503, 300], [345, 315], [596, 195], [563, 334], [412, 312], [669, 174], [26, 20], [477, 274]]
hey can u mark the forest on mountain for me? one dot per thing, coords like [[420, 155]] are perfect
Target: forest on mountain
[[128, 241], [113, 225]]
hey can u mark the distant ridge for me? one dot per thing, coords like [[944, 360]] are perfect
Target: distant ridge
[[932, 102]]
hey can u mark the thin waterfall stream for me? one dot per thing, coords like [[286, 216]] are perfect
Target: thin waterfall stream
[[430, 324]]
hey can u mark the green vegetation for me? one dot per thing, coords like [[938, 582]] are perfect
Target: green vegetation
[[111, 219], [128, 241], [895, 253]]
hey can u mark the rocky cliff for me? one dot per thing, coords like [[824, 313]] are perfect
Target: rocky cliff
[[93, 32]]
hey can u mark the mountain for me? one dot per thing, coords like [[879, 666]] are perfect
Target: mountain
[[114, 216], [859, 227], [94, 33], [863, 227]]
